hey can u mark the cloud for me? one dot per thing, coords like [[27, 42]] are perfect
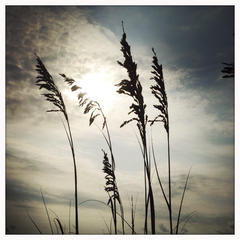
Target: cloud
[[163, 228], [73, 41], [90, 46]]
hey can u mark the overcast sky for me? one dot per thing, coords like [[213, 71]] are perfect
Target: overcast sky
[[83, 42]]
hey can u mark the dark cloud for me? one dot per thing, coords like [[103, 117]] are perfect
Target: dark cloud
[[184, 37], [22, 194], [15, 157], [219, 223], [219, 188]]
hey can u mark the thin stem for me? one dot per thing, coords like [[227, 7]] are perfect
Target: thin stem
[[180, 208], [69, 217], [150, 192], [133, 88], [46, 211], [113, 168], [146, 201], [169, 185], [75, 177], [45, 81], [70, 140], [158, 176], [150, 197], [132, 214], [34, 222], [109, 142], [93, 200]]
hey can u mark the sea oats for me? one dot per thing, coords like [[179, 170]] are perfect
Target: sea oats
[[45, 81], [96, 110], [110, 187], [159, 92], [133, 88]]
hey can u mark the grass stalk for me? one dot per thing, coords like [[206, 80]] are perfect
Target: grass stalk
[[119, 214], [54, 96], [94, 106], [132, 214], [181, 203], [133, 89], [69, 221], [109, 231], [46, 211], [159, 92], [169, 185], [158, 176], [34, 222], [59, 224], [186, 219], [56, 219]]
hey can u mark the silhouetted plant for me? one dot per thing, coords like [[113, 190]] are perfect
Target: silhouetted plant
[[159, 91], [133, 211], [133, 88], [119, 214], [110, 179], [111, 188], [229, 70], [54, 96], [34, 222], [96, 110], [56, 220]]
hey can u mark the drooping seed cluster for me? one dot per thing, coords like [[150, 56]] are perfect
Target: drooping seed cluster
[[159, 92], [45, 81], [110, 187]]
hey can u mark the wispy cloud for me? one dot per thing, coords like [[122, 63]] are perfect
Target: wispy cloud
[[79, 41]]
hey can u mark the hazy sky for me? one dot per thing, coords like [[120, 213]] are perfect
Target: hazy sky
[[83, 42]]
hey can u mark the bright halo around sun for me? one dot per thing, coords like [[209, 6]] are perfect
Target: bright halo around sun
[[100, 88]]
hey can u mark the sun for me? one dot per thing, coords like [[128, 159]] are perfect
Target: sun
[[100, 88]]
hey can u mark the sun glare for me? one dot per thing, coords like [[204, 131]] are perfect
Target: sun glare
[[98, 87]]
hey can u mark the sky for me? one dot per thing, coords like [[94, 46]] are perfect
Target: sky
[[83, 42]]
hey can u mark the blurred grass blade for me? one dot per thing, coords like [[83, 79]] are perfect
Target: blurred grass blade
[[180, 208], [159, 180], [34, 223], [119, 214], [60, 225], [46, 211]]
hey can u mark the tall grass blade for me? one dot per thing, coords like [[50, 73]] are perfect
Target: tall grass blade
[[132, 214], [158, 90], [119, 214], [54, 96], [69, 224], [180, 207], [158, 176], [58, 221], [60, 225], [34, 223], [46, 211], [105, 223], [190, 216], [96, 110], [185, 218]]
